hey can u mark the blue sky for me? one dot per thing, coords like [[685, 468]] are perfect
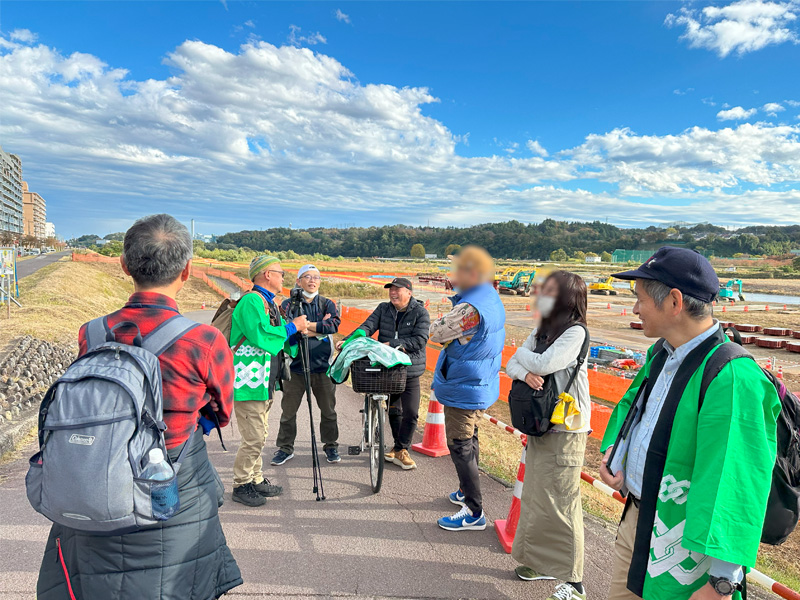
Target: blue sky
[[258, 114]]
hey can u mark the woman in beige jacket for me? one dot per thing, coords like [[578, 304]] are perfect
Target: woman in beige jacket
[[549, 538]]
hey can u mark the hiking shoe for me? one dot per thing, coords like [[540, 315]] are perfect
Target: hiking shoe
[[403, 460], [266, 489], [333, 455], [456, 498], [463, 520], [528, 574], [565, 591], [281, 457], [246, 494], [389, 456]]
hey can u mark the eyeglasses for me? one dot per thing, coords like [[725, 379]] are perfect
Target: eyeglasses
[[276, 271], [311, 277]]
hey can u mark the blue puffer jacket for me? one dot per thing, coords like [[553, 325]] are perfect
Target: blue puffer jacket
[[468, 376]]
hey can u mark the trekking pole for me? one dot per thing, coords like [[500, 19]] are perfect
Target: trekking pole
[[305, 361], [305, 358]]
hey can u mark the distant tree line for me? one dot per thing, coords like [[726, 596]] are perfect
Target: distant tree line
[[515, 240]]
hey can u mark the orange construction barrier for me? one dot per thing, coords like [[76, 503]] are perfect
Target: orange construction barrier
[[434, 440], [507, 528]]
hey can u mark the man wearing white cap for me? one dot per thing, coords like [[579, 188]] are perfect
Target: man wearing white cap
[[323, 322]]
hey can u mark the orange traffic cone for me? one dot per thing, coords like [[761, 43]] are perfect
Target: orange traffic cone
[[768, 366], [780, 372], [594, 367], [766, 308], [746, 308], [608, 306], [724, 309], [434, 440], [203, 306], [507, 528]]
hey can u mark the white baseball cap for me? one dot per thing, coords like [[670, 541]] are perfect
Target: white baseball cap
[[305, 269]]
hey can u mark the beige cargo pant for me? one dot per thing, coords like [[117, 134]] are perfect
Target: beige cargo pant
[[251, 418]]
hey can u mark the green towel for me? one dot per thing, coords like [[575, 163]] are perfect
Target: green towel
[[358, 346]]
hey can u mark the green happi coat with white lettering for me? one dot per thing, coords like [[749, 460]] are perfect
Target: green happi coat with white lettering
[[710, 498]]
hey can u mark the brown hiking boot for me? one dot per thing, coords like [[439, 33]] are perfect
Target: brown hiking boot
[[403, 460], [389, 456]]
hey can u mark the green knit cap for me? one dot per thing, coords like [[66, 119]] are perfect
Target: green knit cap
[[259, 264]]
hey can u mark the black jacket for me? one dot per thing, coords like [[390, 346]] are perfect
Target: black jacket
[[184, 557], [320, 349], [411, 334]]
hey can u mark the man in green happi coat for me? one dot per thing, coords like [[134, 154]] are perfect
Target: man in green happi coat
[[697, 475]]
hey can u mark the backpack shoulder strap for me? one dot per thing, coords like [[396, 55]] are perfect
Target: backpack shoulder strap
[[167, 333], [97, 331], [724, 354]]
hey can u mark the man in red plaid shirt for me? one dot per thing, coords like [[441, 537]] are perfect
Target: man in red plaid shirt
[[187, 555]]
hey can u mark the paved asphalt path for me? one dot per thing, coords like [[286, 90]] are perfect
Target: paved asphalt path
[[355, 544], [31, 265]]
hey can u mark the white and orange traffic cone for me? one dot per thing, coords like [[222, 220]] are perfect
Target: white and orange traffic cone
[[507, 528], [780, 372], [434, 440], [203, 306], [746, 308], [724, 309], [768, 366], [594, 367], [766, 308], [608, 306]]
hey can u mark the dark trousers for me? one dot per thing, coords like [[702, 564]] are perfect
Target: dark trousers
[[324, 391], [404, 414], [461, 428]]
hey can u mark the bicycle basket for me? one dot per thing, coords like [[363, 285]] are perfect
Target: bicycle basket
[[377, 379]]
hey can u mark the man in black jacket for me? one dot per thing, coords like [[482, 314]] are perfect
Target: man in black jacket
[[402, 323], [323, 322]]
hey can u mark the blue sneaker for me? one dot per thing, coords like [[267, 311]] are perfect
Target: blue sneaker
[[463, 520], [332, 454], [456, 498], [280, 457]]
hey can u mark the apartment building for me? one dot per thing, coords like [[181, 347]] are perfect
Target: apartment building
[[11, 201], [34, 213]]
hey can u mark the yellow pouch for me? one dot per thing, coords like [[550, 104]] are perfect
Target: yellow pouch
[[567, 413]]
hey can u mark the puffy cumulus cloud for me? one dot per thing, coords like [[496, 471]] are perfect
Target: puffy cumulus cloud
[[25, 36], [737, 113], [773, 108], [695, 160], [740, 27], [265, 134], [536, 148]]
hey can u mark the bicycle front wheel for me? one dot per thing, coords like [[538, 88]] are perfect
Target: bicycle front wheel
[[376, 449]]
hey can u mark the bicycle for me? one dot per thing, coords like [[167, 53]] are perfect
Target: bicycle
[[376, 382]]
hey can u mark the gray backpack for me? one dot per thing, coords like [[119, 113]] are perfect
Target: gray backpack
[[97, 424]]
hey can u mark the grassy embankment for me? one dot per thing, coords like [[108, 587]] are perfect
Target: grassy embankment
[[57, 299]]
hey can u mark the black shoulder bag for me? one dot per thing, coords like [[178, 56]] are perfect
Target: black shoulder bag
[[531, 409]]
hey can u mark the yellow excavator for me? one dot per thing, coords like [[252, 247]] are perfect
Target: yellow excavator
[[606, 287]]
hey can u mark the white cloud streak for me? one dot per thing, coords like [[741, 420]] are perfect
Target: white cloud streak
[[737, 113], [340, 16], [739, 27]]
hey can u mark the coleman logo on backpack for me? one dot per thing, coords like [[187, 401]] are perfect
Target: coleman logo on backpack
[[82, 440]]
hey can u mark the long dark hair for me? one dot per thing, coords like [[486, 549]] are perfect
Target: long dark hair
[[569, 309]]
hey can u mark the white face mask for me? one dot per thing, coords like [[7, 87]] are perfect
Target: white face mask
[[546, 304], [310, 295]]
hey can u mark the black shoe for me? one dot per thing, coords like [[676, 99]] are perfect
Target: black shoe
[[246, 494], [281, 457], [267, 490], [333, 455]]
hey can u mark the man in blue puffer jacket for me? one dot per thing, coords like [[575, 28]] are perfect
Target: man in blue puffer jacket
[[467, 377]]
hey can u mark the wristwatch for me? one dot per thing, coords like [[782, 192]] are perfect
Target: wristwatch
[[724, 587]]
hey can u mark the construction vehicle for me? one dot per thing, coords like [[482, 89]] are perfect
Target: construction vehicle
[[606, 287], [727, 291], [506, 274], [518, 285]]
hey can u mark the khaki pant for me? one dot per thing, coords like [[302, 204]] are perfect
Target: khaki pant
[[251, 418], [549, 536], [623, 553]]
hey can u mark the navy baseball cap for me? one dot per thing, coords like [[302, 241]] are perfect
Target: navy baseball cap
[[400, 282], [679, 268]]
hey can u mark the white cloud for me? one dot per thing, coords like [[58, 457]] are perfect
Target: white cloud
[[737, 113], [740, 27], [340, 16], [708, 101], [773, 108], [536, 148], [312, 39], [24, 36], [679, 92], [249, 23], [272, 134]]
